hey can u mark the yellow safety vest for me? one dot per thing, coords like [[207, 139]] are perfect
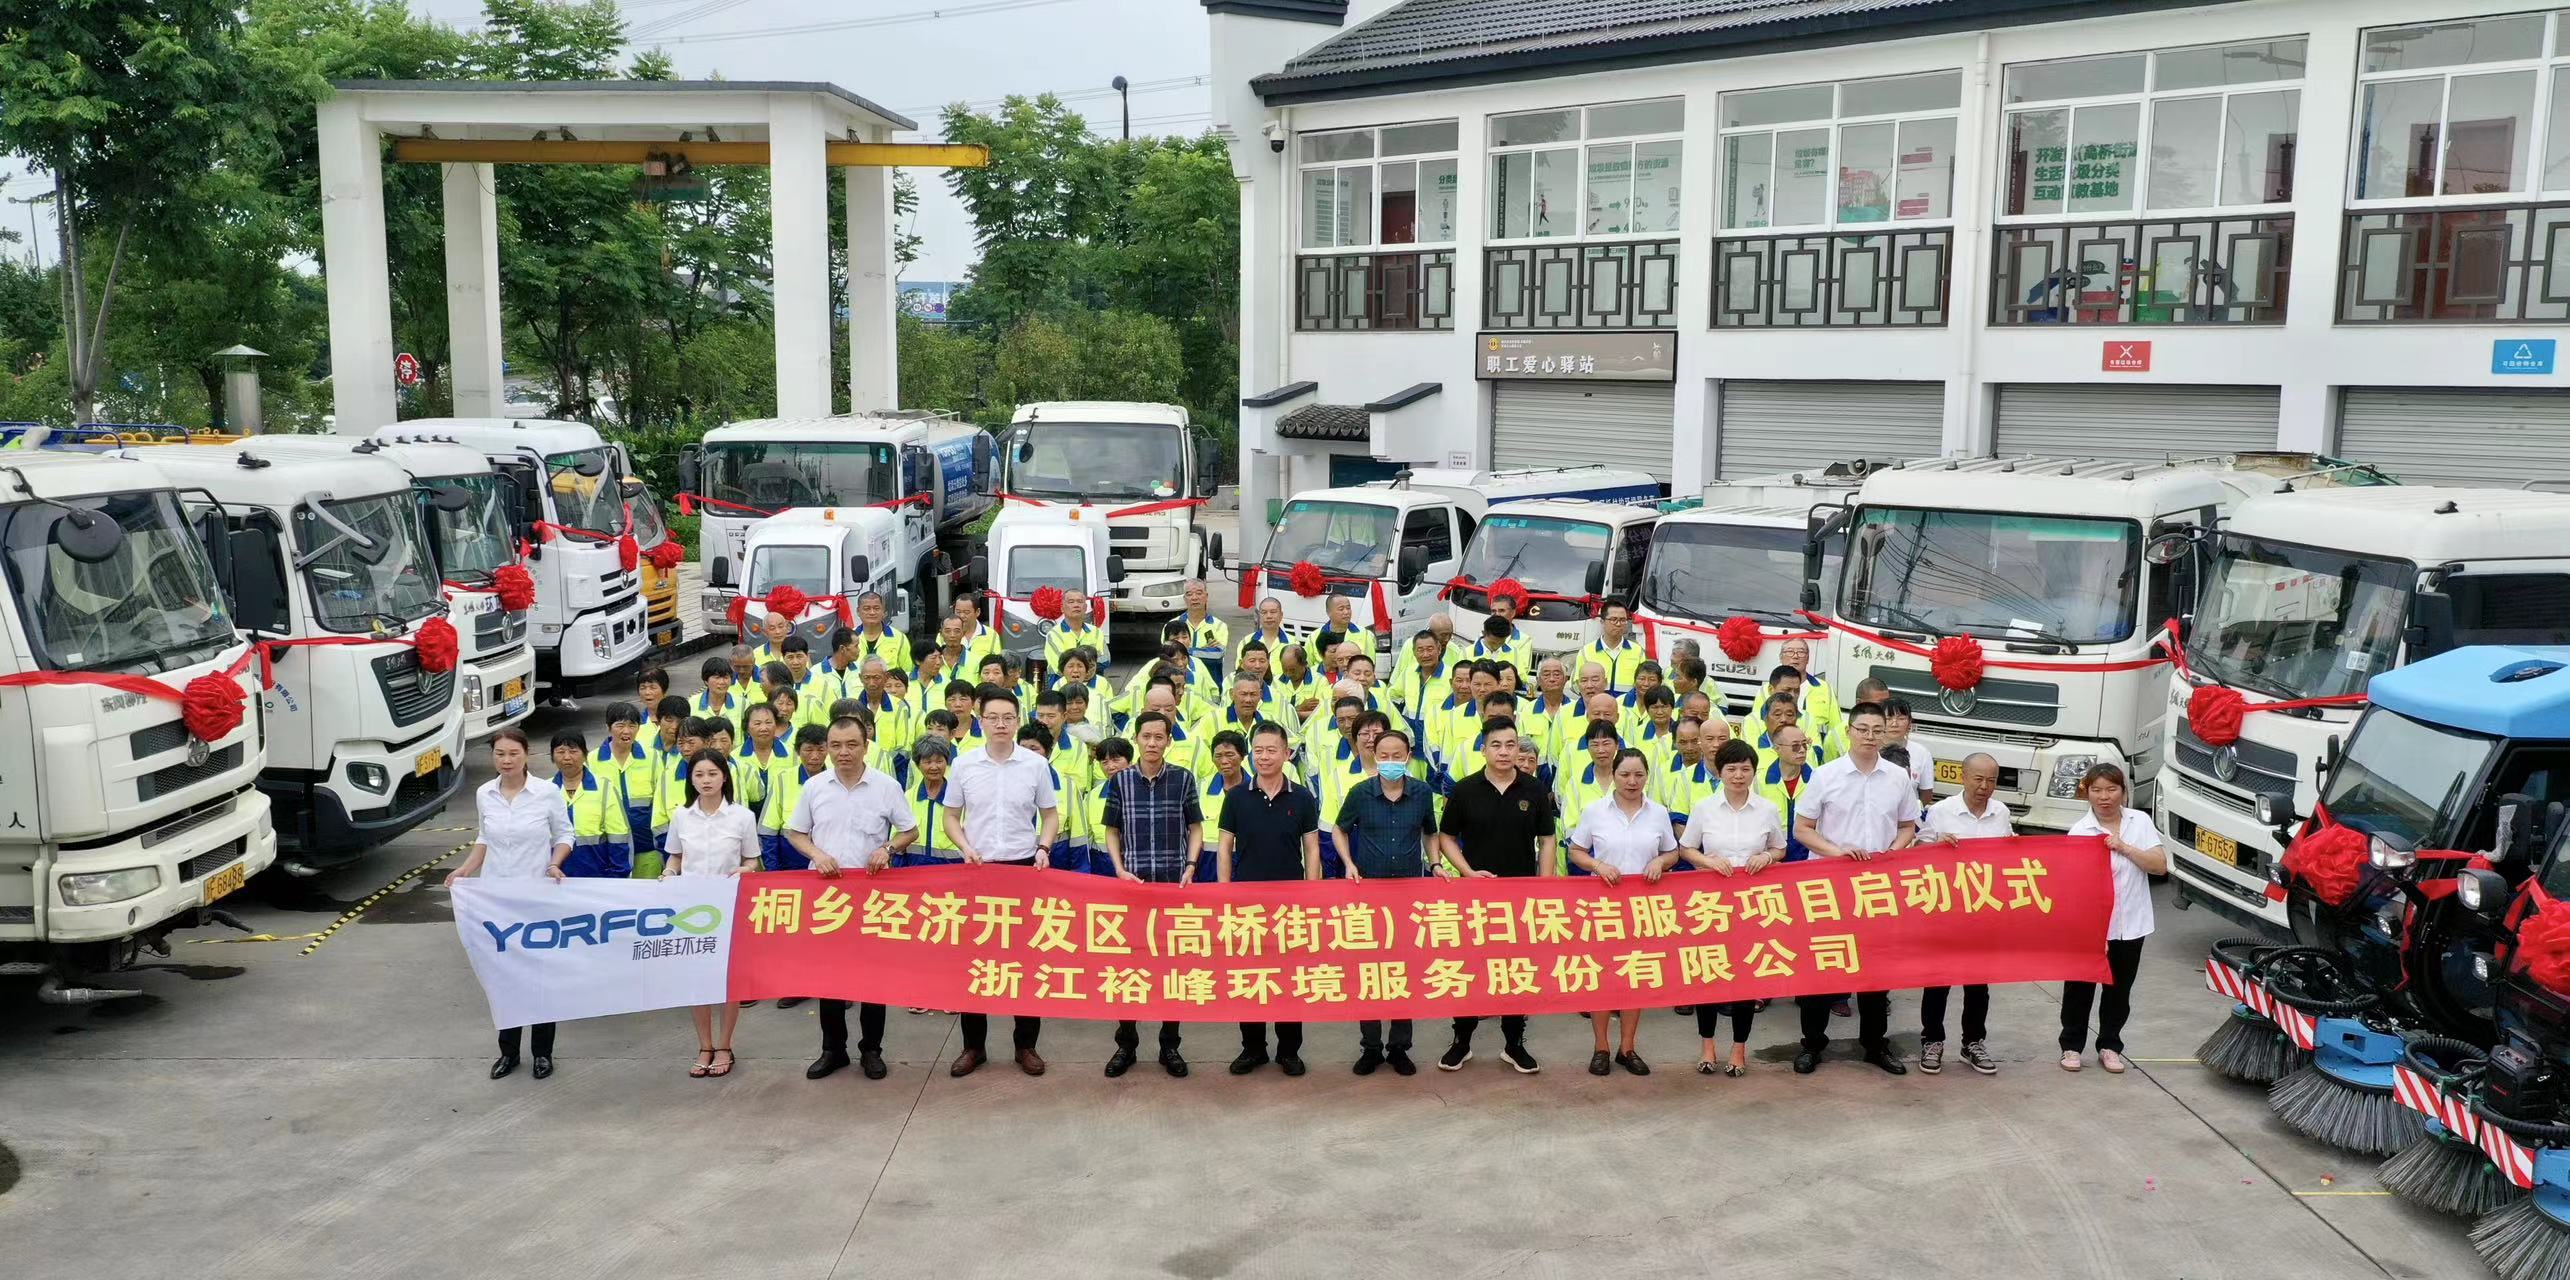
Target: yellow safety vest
[[1619, 663], [930, 813], [597, 815]]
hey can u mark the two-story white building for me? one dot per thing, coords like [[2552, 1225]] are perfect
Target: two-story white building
[[1712, 238]]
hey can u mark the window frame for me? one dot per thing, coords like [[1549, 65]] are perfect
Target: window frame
[[2551, 68], [1579, 145], [1374, 163], [1835, 124], [2146, 101]]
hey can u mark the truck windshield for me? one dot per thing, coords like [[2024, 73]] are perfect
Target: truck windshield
[[1715, 571], [592, 502], [1352, 539], [1033, 567], [150, 607], [354, 587], [1100, 461], [475, 542], [651, 528], [2405, 780], [773, 475], [2065, 579], [1545, 553], [2293, 622], [805, 568]]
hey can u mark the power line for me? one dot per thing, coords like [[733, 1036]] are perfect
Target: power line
[[1067, 94], [853, 24], [703, 9]]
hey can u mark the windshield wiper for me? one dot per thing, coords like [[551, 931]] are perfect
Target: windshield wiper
[[1897, 614], [2222, 670], [1777, 616], [2043, 635]]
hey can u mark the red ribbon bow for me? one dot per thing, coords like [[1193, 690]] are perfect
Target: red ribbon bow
[[2329, 858], [1046, 603], [2543, 947], [438, 646], [1957, 662], [1740, 637], [1307, 579], [515, 587], [666, 556]]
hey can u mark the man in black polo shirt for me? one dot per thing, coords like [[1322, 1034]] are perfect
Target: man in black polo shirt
[[1270, 831], [1499, 822]]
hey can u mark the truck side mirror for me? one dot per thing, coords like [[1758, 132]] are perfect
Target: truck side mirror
[[1819, 529], [449, 498], [259, 600], [1414, 567], [1596, 583], [977, 573], [721, 574], [1213, 552], [2169, 548], [2431, 624], [2482, 892], [1115, 570], [860, 570], [691, 468]]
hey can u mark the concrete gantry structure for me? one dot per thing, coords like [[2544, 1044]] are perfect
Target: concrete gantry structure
[[798, 123]]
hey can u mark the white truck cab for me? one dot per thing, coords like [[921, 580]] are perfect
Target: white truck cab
[[469, 508], [820, 551], [1713, 563], [1392, 546], [1031, 548], [116, 826], [363, 742], [2311, 594], [1581, 548], [2040, 560], [1138, 467], [587, 623]]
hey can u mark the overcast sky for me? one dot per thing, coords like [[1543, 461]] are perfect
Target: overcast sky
[[884, 51]]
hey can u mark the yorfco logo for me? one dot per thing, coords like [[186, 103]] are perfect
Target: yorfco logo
[[598, 927]]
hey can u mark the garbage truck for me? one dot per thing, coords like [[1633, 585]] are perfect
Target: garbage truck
[[1030, 549], [328, 555], [820, 552], [121, 825], [1140, 469], [934, 470]]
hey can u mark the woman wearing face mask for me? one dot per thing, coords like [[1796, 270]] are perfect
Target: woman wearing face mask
[[525, 834], [2133, 847], [712, 836], [1624, 833]]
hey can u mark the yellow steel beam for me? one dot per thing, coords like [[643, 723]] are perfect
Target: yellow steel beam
[[948, 155]]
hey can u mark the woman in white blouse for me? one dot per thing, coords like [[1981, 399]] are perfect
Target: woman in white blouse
[[525, 834], [1624, 832], [1736, 833], [2133, 847], [712, 836]]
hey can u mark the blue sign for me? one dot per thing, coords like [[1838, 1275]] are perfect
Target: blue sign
[[2521, 355]]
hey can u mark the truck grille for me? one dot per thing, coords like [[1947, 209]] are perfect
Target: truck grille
[[498, 631], [412, 694], [21, 914], [2195, 787], [1128, 533], [179, 777], [2023, 702], [205, 864], [2255, 767], [146, 743], [617, 583]]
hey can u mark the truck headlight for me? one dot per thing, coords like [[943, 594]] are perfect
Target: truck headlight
[[2468, 890], [472, 693], [369, 778], [98, 888], [2066, 773], [2389, 858]]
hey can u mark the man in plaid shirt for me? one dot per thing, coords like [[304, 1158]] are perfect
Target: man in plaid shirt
[[1154, 827]]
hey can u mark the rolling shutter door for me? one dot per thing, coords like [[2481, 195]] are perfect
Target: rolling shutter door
[[1584, 424], [1768, 427], [2453, 435], [2137, 423]]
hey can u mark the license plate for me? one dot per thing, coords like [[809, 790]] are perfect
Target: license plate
[[226, 880], [513, 688], [1950, 772], [2218, 846], [429, 761]]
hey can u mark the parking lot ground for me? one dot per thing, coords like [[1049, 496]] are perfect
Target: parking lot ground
[[261, 1112]]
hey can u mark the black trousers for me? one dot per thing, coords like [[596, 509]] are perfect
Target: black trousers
[[1976, 1014], [1369, 1036], [1873, 1019], [2123, 963], [1512, 1028], [1708, 1019], [1128, 1036], [543, 1041], [1289, 1038], [977, 1026], [834, 1027]]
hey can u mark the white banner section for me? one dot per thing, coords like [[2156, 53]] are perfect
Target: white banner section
[[549, 952]]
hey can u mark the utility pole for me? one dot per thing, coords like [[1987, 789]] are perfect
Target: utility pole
[[1124, 98], [35, 243]]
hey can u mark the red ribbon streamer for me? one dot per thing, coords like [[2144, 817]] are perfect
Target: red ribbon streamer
[[687, 503], [2214, 710], [1138, 509], [205, 707], [1916, 651], [1651, 638], [1522, 595]]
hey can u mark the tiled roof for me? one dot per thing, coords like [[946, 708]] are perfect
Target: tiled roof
[[1326, 422]]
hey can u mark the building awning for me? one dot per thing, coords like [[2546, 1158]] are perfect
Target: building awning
[[1327, 422]]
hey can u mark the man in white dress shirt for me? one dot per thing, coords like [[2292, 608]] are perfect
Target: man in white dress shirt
[[850, 815], [1007, 816], [1858, 806], [1973, 813]]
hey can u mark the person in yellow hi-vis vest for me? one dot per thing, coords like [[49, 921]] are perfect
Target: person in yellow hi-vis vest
[[1419, 678], [719, 698], [968, 636], [785, 789], [760, 757], [1208, 637], [877, 638], [601, 843], [1546, 723], [669, 789], [1073, 630], [1584, 782], [1617, 648], [896, 720], [1822, 716], [1501, 637], [627, 762], [1229, 751], [1109, 758], [1267, 628]]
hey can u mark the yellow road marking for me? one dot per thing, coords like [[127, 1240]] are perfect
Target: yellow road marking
[[377, 896]]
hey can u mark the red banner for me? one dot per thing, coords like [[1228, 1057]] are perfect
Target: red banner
[[993, 939]]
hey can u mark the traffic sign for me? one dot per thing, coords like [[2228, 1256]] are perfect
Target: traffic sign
[[406, 370], [2521, 355]]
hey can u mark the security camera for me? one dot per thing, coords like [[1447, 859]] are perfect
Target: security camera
[[1275, 135]]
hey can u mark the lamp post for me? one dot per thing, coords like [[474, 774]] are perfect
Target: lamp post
[[1124, 99], [241, 387]]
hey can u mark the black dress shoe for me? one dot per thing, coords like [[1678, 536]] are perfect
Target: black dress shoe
[[1368, 1062], [824, 1065], [788, 1002], [1806, 1062], [503, 1065], [871, 1062], [1119, 1062], [543, 1068], [1292, 1065], [1248, 1061], [1401, 1064], [1173, 1064], [1883, 1058]]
